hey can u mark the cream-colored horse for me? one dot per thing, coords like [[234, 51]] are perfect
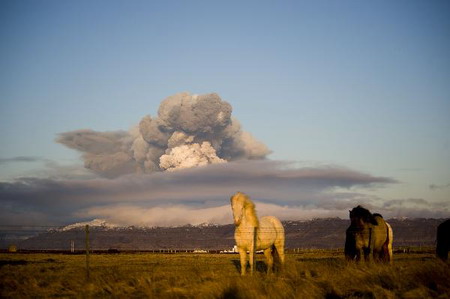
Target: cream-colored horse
[[252, 234]]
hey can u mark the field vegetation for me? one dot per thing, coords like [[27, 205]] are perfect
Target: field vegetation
[[308, 274]]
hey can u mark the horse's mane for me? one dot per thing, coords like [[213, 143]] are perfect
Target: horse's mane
[[250, 212], [360, 212], [364, 214]]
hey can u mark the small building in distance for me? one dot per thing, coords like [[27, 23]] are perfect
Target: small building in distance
[[232, 250], [12, 248]]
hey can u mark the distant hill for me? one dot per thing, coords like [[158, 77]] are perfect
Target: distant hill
[[317, 233]]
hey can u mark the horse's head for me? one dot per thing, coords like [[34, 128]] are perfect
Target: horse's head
[[238, 202], [360, 216]]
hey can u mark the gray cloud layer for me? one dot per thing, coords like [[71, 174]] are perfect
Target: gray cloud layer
[[438, 187], [196, 195], [190, 130], [20, 159]]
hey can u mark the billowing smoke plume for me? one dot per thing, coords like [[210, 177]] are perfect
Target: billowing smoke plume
[[190, 130]]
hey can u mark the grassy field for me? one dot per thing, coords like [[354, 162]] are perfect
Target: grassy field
[[311, 274]]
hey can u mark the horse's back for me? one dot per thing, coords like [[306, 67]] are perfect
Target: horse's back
[[381, 224], [271, 221]]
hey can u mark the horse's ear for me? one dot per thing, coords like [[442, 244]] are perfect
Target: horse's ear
[[234, 196]]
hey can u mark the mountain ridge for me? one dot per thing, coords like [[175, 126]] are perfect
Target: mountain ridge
[[317, 233]]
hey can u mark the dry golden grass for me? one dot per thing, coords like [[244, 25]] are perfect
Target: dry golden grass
[[312, 274]]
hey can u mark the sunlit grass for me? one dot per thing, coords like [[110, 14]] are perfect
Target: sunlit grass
[[320, 274]]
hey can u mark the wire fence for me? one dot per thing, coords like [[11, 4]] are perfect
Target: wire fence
[[187, 239]]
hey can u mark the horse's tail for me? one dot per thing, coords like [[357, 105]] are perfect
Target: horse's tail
[[388, 243]]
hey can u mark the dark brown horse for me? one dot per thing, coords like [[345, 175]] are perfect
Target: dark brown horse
[[443, 240], [368, 237]]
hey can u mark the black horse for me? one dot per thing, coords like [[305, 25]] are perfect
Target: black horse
[[443, 240]]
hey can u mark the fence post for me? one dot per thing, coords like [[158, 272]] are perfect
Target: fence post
[[87, 252]]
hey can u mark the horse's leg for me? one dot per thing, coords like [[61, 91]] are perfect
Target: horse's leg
[[243, 258], [269, 259], [384, 254], [253, 251], [279, 248], [371, 245], [378, 255], [445, 252], [252, 260], [390, 254], [361, 255], [370, 256]]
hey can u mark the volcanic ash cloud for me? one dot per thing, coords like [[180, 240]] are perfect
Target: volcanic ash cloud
[[189, 131]]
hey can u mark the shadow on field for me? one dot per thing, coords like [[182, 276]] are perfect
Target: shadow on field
[[260, 266], [23, 262], [421, 259], [320, 260], [13, 263], [231, 292]]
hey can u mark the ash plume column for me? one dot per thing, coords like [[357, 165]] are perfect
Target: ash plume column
[[189, 131]]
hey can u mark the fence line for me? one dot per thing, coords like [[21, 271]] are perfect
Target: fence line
[[171, 238]]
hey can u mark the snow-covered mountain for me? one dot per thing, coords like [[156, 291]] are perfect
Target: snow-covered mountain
[[105, 225], [93, 223]]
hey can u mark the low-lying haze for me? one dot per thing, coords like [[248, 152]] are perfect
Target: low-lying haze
[[201, 194]]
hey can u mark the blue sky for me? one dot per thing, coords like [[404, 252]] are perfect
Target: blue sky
[[356, 84]]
